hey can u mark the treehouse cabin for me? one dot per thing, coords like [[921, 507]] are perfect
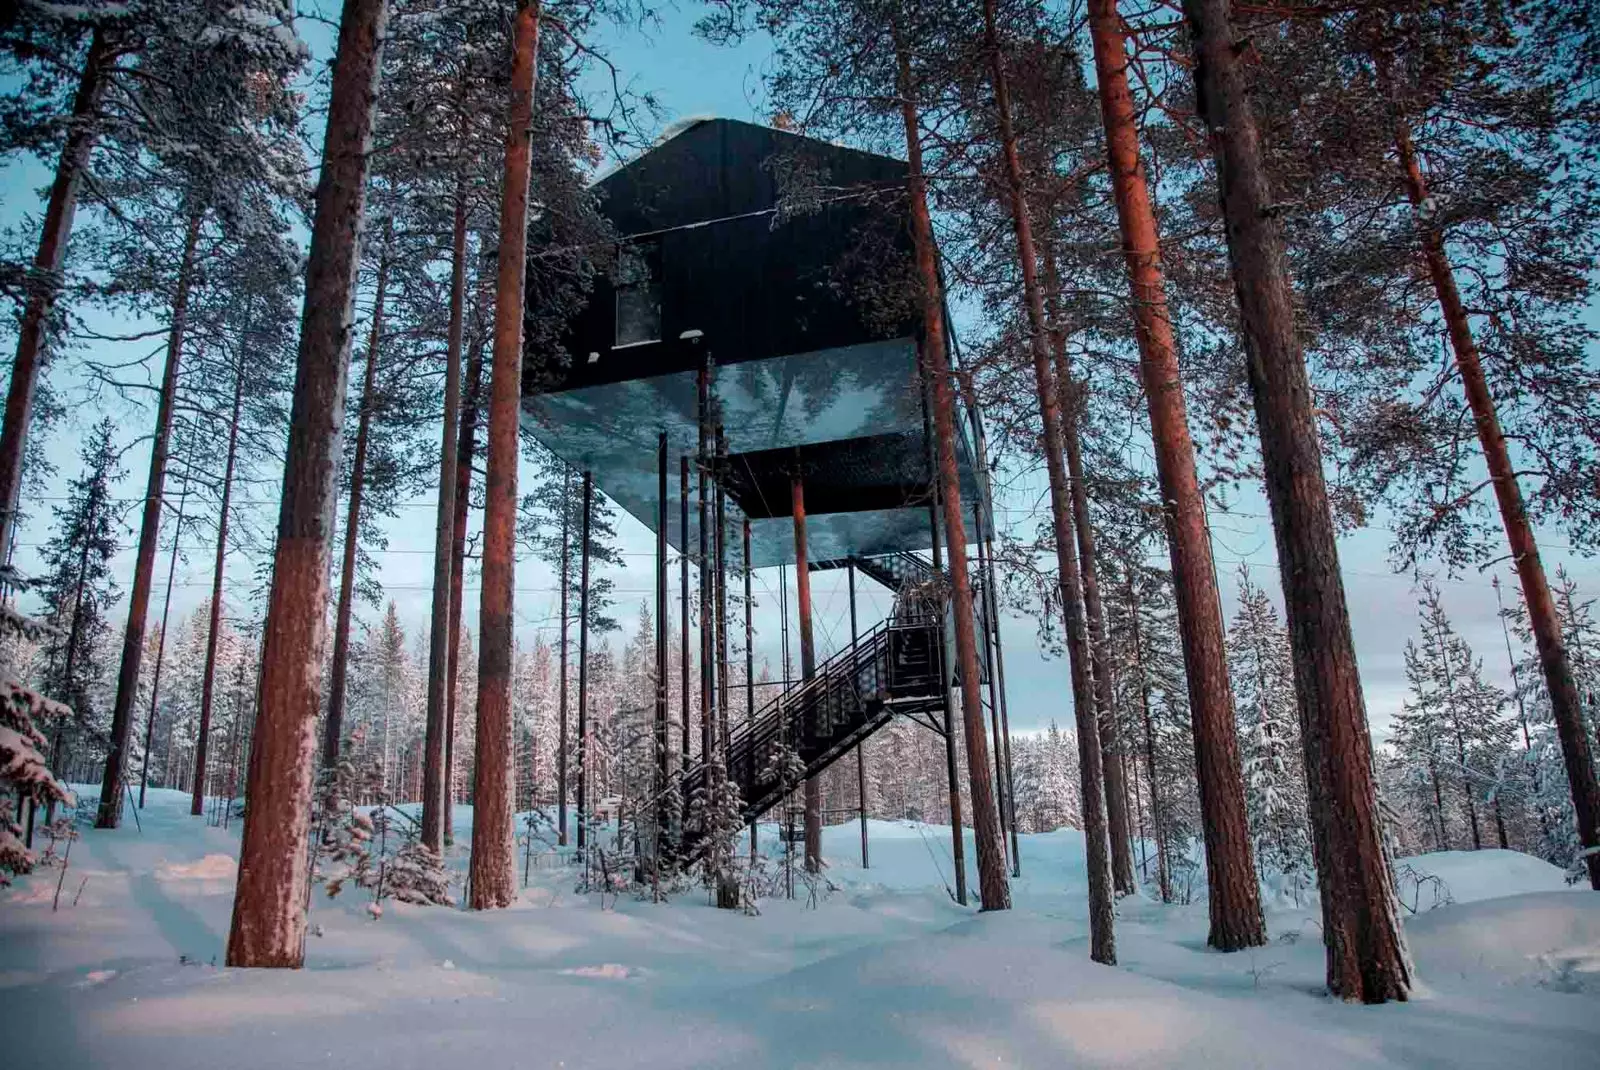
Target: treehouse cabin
[[775, 269]]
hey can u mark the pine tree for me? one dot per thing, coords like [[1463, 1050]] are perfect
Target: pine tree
[[1451, 737], [1269, 734], [242, 379], [45, 43], [25, 778], [493, 881], [549, 524], [1424, 66], [77, 592], [214, 100], [1366, 950], [1236, 920], [1544, 775], [268, 907], [1057, 802]]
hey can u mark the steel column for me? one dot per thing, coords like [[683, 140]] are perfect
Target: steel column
[[661, 647], [749, 663], [861, 762], [583, 661], [683, 609], [719, 462]]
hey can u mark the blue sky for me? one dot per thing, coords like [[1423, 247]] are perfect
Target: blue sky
[[692, 78]]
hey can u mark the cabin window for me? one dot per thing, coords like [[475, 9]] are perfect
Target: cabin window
[[638, 282]]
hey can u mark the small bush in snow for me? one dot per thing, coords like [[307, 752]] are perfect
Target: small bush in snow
[[417, 875]]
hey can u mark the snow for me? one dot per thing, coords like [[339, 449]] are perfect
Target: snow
[[1474, 875], [887, 972], [673, 129]]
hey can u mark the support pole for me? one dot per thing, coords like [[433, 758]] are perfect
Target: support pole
[[683, 609], [784, 823], [719, 461], [861, 761], [707, 714], [661, 652], [749, 666], [808, 663], [583, 662], [783, 614], [564, 747]]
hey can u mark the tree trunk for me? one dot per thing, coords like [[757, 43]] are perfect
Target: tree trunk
[[269, 906], [44, 280], [808, 657], [1366, 950], [214, 623], [1235, 897], [144, 565], [1100, 664], [994, 889], [1566, 707], [161, 643], [1157, 817], [433, 778], [494, 853], [338, 673], [466, 447], [1072, 399], [1102, 939], [1438, 798]]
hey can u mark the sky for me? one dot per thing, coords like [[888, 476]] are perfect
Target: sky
[[691, 78]]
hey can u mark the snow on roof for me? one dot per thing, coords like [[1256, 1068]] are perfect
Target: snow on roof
[[689, 122], [668, 132]]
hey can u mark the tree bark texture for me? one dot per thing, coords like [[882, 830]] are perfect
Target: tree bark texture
[[144, 565], [339, 670], [1566, 706], [1234, 894], [45, 278], [1367, 958], [269, 906], [994, 888], [437, 717], [494, 855]]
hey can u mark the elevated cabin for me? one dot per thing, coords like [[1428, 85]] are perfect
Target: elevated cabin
[[776, 265]]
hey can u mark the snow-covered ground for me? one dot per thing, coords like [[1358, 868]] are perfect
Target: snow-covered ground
[[887, 971]]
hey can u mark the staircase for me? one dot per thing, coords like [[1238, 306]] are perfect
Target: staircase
[[918, 590], [894, 668]]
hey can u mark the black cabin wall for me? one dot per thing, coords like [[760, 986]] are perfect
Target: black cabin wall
[[756, 285]]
